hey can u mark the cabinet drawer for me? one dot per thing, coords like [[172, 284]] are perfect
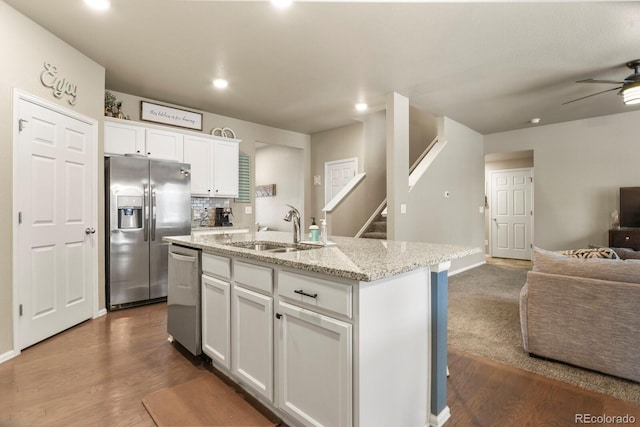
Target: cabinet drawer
[[253, 277], [624, 239], [313, 291], [216, 265]]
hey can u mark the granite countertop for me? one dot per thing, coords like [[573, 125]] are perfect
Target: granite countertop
[[198, 227], [352, 258]]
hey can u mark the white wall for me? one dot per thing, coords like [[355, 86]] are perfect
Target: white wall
[[579, 167], [458, 169], [25, 48], [281, 166]]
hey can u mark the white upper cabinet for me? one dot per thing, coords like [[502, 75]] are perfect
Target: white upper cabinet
[[214, 165], [214, 160], [198, 152], [164, 145], [123, 138], [225, 168]]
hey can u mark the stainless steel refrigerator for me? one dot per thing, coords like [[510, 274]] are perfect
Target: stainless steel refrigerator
[[146, 200]]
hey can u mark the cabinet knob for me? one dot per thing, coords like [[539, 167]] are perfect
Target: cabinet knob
[[626, 237], [137, 151], [149, 153]]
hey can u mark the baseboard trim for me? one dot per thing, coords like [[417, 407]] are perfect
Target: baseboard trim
[[8, 355], [441, 418], [469, 267], [100, 313]]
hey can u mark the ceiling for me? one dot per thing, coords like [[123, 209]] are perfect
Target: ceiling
[[491, 66]]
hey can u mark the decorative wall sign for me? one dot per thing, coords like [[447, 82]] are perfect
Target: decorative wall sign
[[59, 85], [157, 113], [265, 190]]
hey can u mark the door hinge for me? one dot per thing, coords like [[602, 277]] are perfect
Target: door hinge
[[531, 212], [20, 309], [22, 123], [530, 179], [19, 217]]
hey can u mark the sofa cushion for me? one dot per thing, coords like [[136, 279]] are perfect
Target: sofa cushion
[[591, 253], [616, 270]]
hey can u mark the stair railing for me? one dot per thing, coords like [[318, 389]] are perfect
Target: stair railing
[[420, 165], [427, 157]]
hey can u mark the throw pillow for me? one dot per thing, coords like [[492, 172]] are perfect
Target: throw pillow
[[607, 253], [626, 253]]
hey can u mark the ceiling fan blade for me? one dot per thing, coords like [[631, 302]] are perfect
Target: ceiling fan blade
[[589, 96], [599, 81]]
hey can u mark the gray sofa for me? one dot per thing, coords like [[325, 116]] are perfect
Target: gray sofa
[[585, 312]]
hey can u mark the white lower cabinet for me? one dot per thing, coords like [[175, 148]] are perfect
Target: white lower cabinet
[[216, 316], [252, 340], [315, 367], [296, 356]]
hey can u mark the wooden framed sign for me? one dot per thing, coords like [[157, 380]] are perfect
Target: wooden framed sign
[[156, 113]]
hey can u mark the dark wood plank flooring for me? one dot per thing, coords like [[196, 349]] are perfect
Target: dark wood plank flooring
[[97, 373], [484, 393]]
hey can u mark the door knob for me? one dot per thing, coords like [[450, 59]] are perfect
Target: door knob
[[89, 230]]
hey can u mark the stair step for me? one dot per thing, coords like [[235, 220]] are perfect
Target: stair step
[[375, 235], [378, 226]]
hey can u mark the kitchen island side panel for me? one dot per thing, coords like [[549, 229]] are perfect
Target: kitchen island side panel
[[392, 378]]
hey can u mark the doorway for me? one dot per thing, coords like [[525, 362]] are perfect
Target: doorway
[[511, 213], [55, 245], [507, 237], [337, 174], [279, 180]]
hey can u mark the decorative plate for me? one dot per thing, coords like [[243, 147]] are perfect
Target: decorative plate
[[228, 133]]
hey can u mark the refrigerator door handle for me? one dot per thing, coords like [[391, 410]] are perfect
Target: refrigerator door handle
[[153, 213], [145, 223]]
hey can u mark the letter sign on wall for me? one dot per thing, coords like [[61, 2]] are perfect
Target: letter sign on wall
[[59, 86]]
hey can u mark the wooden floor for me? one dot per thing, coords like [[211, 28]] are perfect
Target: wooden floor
[[97, 373]]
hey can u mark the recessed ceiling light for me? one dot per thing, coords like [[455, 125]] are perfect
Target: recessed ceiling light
[[281, 3], [220, 83], [361, 106], [98, 4], [535, 120]]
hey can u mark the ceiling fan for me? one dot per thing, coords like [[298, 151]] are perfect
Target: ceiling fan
[[629, 89]]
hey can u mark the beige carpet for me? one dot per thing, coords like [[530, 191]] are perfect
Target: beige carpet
[[484, 320], [203, 401]]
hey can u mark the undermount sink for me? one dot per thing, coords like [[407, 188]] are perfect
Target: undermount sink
[[274, 247]]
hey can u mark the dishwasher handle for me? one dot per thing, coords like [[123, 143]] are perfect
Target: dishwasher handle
[[183, 257]]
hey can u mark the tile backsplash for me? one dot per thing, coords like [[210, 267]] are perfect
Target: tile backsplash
[[199, 204]]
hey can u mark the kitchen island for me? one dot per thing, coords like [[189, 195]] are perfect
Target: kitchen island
[[352, 334]]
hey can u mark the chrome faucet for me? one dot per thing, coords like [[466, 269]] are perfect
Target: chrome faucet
[[294, 215]]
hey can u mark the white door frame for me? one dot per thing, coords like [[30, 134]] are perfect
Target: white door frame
[[490, 195], [326, 174], [19, 95]]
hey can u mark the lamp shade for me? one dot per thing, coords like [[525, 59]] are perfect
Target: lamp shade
[[631, 94]]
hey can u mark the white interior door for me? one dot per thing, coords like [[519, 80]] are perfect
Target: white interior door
[[511, 213], [337, 174], [55, 237]]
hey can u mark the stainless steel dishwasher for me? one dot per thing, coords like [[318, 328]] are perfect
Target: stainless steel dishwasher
[[183, 298]]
